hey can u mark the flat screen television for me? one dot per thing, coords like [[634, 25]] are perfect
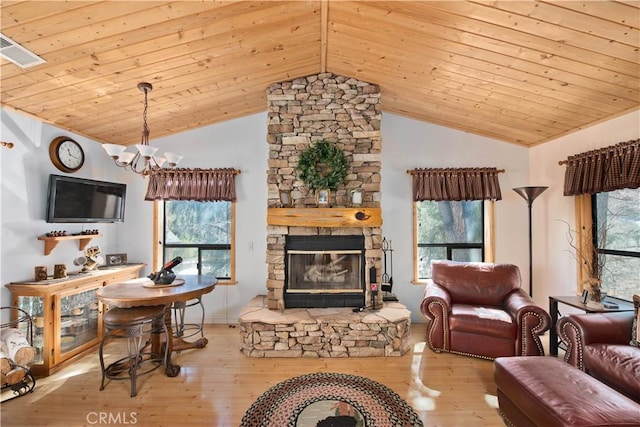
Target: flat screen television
[[72, 199]]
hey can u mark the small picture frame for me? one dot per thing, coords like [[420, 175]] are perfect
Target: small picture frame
[[285, 198], [116, 259], [322, 197], [584, 296]]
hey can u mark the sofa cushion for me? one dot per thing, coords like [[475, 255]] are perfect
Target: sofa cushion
[[615, 365], [476, 283], [482, 320]]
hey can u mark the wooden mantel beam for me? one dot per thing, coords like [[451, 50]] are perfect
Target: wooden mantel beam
[[325, 217]]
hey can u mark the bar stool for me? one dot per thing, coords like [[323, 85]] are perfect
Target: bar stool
[[187, 330], [134, 324]]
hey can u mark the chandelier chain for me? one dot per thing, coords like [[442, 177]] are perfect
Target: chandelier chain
[[145, 126]]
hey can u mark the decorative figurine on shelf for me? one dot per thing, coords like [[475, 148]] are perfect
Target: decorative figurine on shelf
[[60, 271], [40, 272], [90, 260], [166, 276]]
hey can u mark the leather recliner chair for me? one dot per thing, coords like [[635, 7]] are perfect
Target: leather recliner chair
[[479, 310]]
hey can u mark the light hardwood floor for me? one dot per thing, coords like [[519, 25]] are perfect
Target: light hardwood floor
[[217, 384]]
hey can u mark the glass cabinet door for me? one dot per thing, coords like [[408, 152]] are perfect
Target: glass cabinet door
[[78, 320], [35, 307]]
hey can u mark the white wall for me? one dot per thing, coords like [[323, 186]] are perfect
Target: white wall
[[409, 144], [241, 144], [24, 176], [555, 266]]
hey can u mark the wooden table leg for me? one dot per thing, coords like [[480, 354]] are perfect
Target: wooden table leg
[[180, 344], [177, 344]]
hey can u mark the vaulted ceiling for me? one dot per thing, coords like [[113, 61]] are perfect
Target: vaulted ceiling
[[523, 72]]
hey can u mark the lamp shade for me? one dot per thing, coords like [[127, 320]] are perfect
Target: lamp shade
[[529, 193], [172, 158], [114, 150], [126, 157], [146, 151]]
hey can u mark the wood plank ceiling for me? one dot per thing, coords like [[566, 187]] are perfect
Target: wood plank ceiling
[[523, 72]]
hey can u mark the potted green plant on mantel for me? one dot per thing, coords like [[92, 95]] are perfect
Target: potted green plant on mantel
[[323, 168]]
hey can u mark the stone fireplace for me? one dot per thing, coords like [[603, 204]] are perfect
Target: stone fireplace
[[345, 112], [319, 301]]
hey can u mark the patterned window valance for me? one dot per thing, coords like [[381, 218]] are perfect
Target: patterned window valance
[[205, 185], [607, 169], [456, 184]]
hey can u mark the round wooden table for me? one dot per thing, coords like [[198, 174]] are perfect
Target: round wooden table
[[138, 292]]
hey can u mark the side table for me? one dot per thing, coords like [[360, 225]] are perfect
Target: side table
[[574, 301]]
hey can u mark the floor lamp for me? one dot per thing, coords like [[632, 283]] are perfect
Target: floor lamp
[[530, 194]]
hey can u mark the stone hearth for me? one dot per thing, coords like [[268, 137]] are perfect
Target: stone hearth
[[325, 332]]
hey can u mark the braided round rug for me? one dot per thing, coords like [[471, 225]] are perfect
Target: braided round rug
[[330, 399]]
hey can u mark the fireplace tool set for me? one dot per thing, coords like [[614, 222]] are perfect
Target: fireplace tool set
[[387, 279]]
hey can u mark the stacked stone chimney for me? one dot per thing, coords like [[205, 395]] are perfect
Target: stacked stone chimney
[[345, 112]]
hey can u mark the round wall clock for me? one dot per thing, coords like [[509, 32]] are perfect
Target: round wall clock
[[66, 154]]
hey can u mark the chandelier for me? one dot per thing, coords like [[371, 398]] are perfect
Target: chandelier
[[142, 161]]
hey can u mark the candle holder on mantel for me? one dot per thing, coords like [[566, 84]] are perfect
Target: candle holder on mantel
[[356, 197]]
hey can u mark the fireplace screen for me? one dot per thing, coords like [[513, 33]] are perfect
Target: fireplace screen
[[324, 271]]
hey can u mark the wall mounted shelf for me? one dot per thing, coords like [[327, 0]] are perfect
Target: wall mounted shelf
[[51, 242]]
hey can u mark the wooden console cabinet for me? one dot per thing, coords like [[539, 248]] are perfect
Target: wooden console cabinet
[[67, 316]]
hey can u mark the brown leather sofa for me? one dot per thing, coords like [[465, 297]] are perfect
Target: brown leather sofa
[[479, 310], [598, 344]]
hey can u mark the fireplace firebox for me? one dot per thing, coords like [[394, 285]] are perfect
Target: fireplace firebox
[[324, 271]]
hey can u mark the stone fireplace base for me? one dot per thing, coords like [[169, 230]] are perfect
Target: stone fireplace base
[[324, 332]]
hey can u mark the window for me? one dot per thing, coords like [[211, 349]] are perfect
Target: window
[[202, 233], [616, 235], [452, 230]]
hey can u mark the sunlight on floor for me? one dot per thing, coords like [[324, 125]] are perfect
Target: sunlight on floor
[[420, 396], [491, 400], [52, 383]]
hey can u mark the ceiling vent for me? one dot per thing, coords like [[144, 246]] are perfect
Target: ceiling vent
[[17, 54]]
